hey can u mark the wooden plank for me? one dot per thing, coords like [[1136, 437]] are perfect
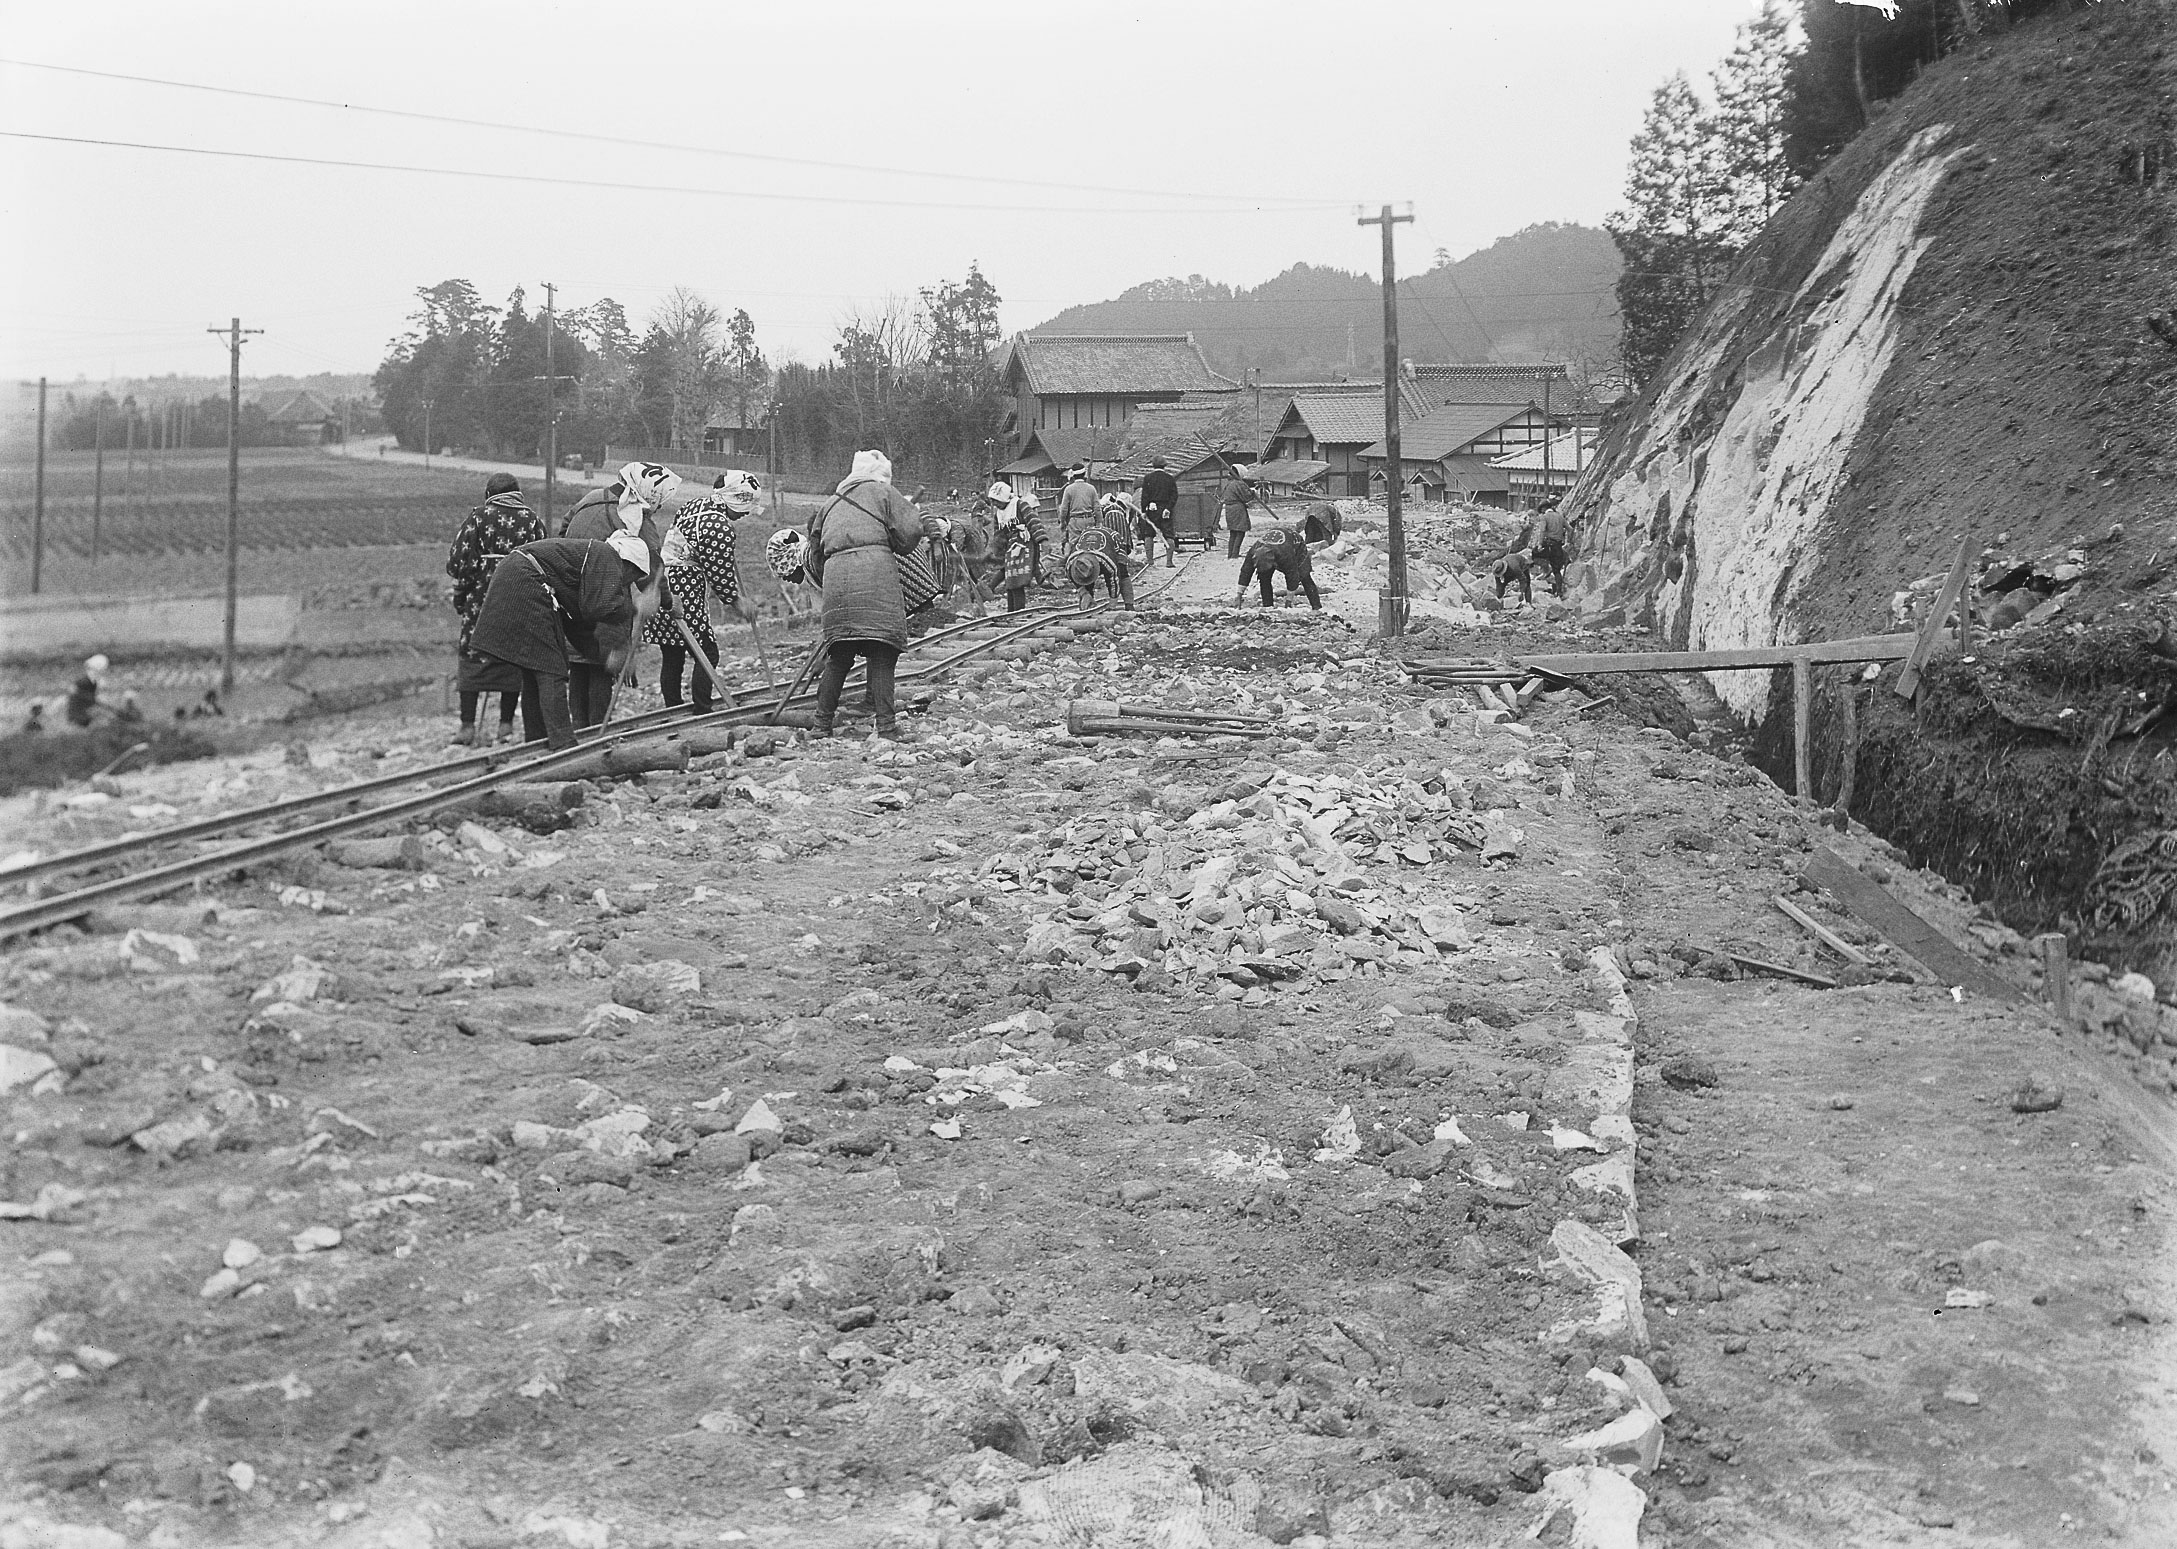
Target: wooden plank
[[1866, 648], [1877, 909], [1761, 965], [1951, 596], [2056, 972], [1802, 732], [1848, 711], [1823, 933]]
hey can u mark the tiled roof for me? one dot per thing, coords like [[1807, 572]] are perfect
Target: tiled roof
[[1118, 364], [1495, 382], [1471, 474], [1047, 449], [1341, 418], [1442, 432]]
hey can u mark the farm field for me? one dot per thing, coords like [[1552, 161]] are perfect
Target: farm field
[[166, 530]]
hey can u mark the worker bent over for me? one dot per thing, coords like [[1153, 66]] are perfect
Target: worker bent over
[[1280, 551]]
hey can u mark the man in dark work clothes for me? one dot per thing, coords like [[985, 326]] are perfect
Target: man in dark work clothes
[[1160, 503], [553, 604]]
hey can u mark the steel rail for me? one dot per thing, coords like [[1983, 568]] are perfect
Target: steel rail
[[164, 878], [670, 716]]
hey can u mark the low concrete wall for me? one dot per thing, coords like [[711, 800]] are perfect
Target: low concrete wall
[[39, 627]]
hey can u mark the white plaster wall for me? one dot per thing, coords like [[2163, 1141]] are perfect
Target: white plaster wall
[[1777, 458]]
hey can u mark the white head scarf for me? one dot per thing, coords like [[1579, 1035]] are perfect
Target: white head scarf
[[630, 547], [738, 492], [647, 486], [871, 465], [1001, 492], [97, 666]]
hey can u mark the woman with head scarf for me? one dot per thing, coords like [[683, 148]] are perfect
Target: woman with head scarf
[[83, 697], [699, 563], [1012, 510], [552, 604], [630, 503], [855, 544], [495, 529]]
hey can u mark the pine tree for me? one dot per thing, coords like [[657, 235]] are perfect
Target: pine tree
[[1674, 232], [1748, 125]]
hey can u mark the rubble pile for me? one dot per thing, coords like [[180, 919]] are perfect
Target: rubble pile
[[1262, 886]]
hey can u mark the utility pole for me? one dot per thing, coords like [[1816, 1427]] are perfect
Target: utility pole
[[551, 413], [98, 473], [234, 332], [128, 464], [774, 460], [427, 434], [1391, 605], [37, 510]]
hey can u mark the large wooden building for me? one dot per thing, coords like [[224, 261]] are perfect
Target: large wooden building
[[1453, 453], [1068, 382]]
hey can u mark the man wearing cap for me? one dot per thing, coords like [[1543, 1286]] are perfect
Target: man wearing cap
[[1076, 503], [1160, 503]]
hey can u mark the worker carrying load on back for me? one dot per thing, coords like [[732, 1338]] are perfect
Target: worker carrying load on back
[[1103, 553], [1279, 551], [1012, 512], [559, 603], [1548, 538]]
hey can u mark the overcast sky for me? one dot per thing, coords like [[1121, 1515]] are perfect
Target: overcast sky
[[1238, 138]]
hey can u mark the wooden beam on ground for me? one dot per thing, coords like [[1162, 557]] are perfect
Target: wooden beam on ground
[[1876, 908], [1802, 731], [1866, 648], [1951, 596], [1822, 933], [1762, 965]]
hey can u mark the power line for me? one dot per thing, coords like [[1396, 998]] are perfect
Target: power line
[[619, 187], [648, 145]]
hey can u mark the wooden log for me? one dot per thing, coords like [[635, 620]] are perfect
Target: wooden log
[[617, 763], [1866, 648], [1951, 596], [1823, 933], [1874, 907], [2056, 972], [397, 852], [1762, 965], [1848, 753]]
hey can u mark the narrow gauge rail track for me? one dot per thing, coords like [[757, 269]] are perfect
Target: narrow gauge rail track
[[492, 770]]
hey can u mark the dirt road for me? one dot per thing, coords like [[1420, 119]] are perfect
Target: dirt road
[[1009, 1139]]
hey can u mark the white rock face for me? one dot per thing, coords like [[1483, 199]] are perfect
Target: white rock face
[[1743, 498]]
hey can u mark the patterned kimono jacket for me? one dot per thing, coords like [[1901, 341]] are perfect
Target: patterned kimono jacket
[[705, 567]]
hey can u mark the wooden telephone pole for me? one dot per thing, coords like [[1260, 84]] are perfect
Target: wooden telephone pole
[[37, 510], [551, 413], [1391, 604], [234, 332]]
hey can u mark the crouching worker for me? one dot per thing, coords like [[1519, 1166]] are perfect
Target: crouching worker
[[560, 601], [1515, 569], [1279, 551]]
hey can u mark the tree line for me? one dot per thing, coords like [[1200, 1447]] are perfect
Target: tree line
[[1705, 174], [916, 378]]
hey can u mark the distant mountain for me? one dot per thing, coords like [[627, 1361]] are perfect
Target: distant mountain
[[1547, 292]]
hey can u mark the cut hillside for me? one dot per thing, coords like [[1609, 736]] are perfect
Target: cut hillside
[[1548, 292], [1959, 327]]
